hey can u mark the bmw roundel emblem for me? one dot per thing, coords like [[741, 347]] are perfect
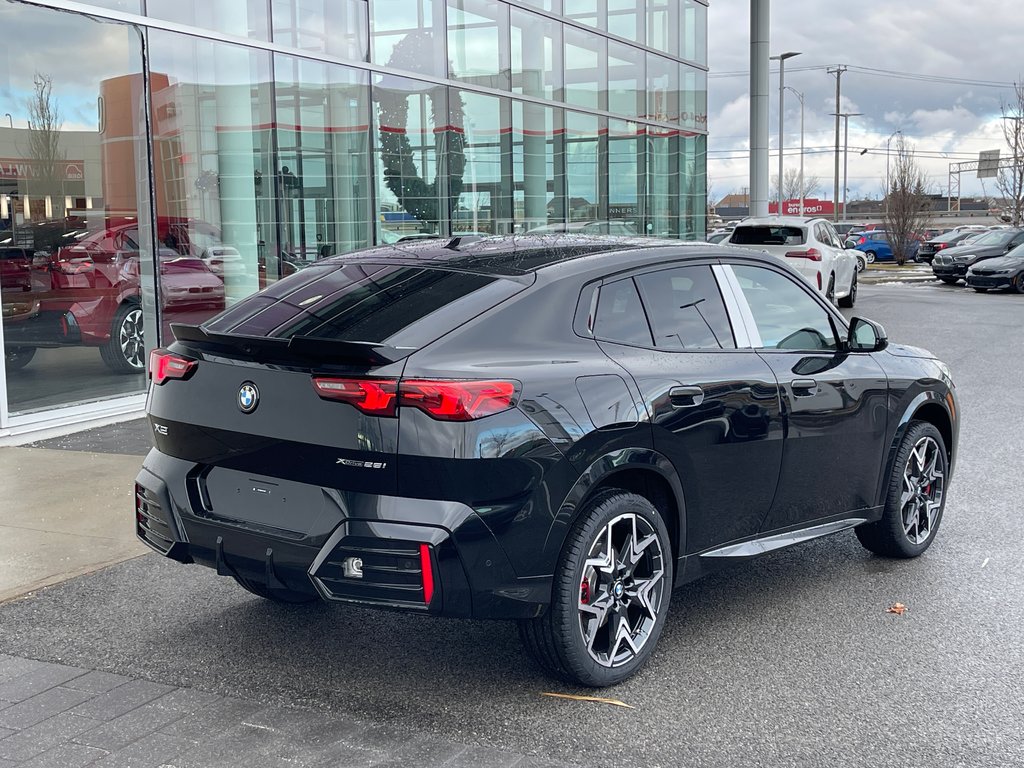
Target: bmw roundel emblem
[[248, 397]]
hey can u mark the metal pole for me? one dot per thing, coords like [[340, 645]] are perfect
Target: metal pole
[[846, 156], [800, 96], [781, 58], [838, 72], [898, 130], [760, 29]]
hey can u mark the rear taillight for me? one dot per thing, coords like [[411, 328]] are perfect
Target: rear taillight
[[376, 397], [940, 246], [813, 254], [457, 400], [861, 240], [426, 574], [164, 365], [440, 399]]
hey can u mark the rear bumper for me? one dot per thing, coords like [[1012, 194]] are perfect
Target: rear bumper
[[420, 555]]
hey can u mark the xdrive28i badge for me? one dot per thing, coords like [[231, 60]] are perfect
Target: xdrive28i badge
[[248, 397]]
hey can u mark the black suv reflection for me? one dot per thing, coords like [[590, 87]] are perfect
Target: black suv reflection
[[556, 430]]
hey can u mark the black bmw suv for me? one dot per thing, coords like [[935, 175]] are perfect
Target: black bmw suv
[[552, 429]]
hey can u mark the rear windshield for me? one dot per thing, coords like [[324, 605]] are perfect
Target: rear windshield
[[401, 306], [768, 235]]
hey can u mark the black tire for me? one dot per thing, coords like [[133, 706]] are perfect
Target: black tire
[[950, 280], [16, 358], [287, 596], [639, 603], [1019, 285], [125, 352], [850, 299], [891, 535], [870, 256], [830, 292], [980, 290]]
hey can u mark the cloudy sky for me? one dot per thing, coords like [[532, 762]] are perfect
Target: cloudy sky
[[935, 69]]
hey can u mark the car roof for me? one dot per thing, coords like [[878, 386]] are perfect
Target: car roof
[[511, 256]]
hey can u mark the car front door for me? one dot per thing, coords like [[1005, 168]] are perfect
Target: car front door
[[834, 402], [712, 401]]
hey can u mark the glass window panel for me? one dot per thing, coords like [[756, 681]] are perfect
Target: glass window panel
[[552, 6], [76, 278], [626, 84], [694, 35], [686, 309], [663, 25], [478, 43], [537, 159], [244, 18], [409, 35], [322, 121], [626, 19], [693, 100], [214, 165], [625, 177], [620, 315], [412, 132], [593, 13], [583, 167], [786, 315], [536, 55], [662, 89], [335, 27], [662, 182], [482, 199], [586, 74], [128, 6]]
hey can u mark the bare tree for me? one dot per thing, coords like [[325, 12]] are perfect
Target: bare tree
[[906, 200], [1010, 180], [791, 185], [45, 123]]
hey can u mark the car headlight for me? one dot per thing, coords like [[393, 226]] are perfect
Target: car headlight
[[1000, 271], [962, 259]]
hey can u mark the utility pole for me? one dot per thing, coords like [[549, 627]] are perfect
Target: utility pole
[[800, 96], [846, 145], [838, 72], [781, 58]]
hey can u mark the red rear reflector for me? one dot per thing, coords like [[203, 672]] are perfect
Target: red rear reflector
[[426, 573], [164, 365], [457, 400], [377, 397], [811, 253], [819, 281]]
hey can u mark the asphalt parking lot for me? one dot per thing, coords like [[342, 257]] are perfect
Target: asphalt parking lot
[[790, 660]]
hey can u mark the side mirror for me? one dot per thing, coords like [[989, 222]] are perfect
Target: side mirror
[[849, 245], [866, 336]]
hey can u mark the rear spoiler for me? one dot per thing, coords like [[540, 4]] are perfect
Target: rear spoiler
[[310, 347]]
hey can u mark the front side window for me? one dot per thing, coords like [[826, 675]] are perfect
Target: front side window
[[785, 313], [686, 309]]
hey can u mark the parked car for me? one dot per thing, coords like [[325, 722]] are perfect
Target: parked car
[[875, 246], [614, 227], [452, 464], [1001, 272], [16, 269], [719, 236], [929, 248], [809, 245], [93, 297], [951, 265], [843, 228]]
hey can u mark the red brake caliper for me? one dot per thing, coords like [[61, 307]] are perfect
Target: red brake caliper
[[585, 592]]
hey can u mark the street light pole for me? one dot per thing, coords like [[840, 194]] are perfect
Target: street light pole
[[846, 146], [897, 131], [800, 96], [781, 58]]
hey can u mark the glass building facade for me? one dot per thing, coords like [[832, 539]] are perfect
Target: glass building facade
[[161, 159]]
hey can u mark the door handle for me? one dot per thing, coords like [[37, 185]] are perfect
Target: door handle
[[686, 397], [804, 387]]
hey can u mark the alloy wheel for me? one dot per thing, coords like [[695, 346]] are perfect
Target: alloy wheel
[[923, 485], [621, 590], [129, 338]]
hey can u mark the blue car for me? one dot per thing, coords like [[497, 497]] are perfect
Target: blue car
[[876, 247]]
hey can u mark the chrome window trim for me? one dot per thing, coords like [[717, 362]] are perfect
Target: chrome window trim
[[737, 307]]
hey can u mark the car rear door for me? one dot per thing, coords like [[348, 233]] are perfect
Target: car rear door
[[834, 402], [713, 403]]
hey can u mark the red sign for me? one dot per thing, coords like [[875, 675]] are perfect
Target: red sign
[[812, 207]]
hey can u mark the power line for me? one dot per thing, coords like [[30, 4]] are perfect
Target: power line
[[891, 73]]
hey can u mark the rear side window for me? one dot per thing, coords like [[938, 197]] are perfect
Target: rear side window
[[768, 235], [398, 305], [686, 309], [620, 315]]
